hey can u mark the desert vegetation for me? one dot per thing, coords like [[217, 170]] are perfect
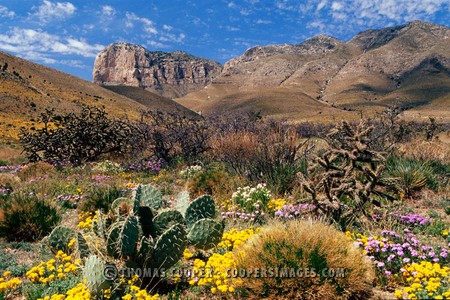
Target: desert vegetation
[[178, 206]]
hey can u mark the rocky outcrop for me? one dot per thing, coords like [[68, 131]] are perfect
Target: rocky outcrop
[[169, 74]]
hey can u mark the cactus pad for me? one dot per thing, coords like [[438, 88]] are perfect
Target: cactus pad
[[169, 247], [165, 219], [113, 239], [93, 273], [60, 237], [147, 195], [201, 208], [82, 246], [129, 236], [183, 202], [205, 234]]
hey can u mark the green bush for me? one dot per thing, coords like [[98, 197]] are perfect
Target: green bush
[[100, 197], [26, 217]]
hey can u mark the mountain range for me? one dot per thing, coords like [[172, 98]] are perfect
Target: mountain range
[[321, 79]]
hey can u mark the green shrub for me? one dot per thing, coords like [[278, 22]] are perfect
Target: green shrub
[[26, 217], [100, 197], [213, 180], [305, 246]]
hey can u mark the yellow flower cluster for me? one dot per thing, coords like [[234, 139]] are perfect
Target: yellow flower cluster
[[56, 268], [215, 273], [86, 219], [8, 284], [444, 232], [79, 292], [235, 238], [137, 294], [130, 185], [426, 281], [275, 204], [227, 205], [365, 240], [187, 254]]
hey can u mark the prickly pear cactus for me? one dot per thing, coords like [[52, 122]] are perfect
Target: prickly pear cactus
[[119, 203], [99, 225], [145, 251], [183, 202], [205, 234], [146, 195], [201, 208], [129, 236], [146, 221], [93, 272], [169, 247], [165, 219], [112, 241], [60, 237], [83, 247]]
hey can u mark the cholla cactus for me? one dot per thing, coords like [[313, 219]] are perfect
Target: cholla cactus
[[345, 178]]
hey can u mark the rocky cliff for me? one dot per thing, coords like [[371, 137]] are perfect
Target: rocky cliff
[[169, 74]]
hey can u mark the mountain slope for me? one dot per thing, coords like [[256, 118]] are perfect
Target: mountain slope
[[27, 89], [406, 65]]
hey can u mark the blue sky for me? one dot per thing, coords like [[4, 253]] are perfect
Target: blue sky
[[67, 35]]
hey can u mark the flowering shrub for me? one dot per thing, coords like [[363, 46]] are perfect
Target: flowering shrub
[[234, 238], [86, 220], [411, 220], [426, 280], [79, 292], [242, 216], [70, 201], [275, 204], [135, 293], [56, 268], [151, 165], [214, 273], [189, 171], [7, 284], [250, 198], [290, 212], [391, 251]]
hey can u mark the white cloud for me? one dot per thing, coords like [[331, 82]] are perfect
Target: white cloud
[[108, 11], [146, 24], [337, 6], [49, 11], [260, 21], [167, 27], [231, 4], [321, 5], [366, 13], [6, 13], [39, 45], [155, 44]]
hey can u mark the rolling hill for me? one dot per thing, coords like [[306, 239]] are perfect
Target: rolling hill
[[27, 89]]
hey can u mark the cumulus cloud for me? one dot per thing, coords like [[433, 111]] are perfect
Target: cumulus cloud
[[147, 25], [49, 11], [260, 21], [39, 45], [6, 13]]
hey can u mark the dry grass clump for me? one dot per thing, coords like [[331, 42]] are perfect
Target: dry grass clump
[[36, 170], [305, 245]]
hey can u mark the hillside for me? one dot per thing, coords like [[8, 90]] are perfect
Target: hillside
[[324, 78], [27, 89]]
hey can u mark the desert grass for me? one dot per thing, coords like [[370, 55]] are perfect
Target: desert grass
[[305, 245]]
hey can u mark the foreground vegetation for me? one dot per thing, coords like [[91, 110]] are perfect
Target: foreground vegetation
[[224, 208]]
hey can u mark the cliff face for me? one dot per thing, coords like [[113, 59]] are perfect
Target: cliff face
[[169, 74]]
